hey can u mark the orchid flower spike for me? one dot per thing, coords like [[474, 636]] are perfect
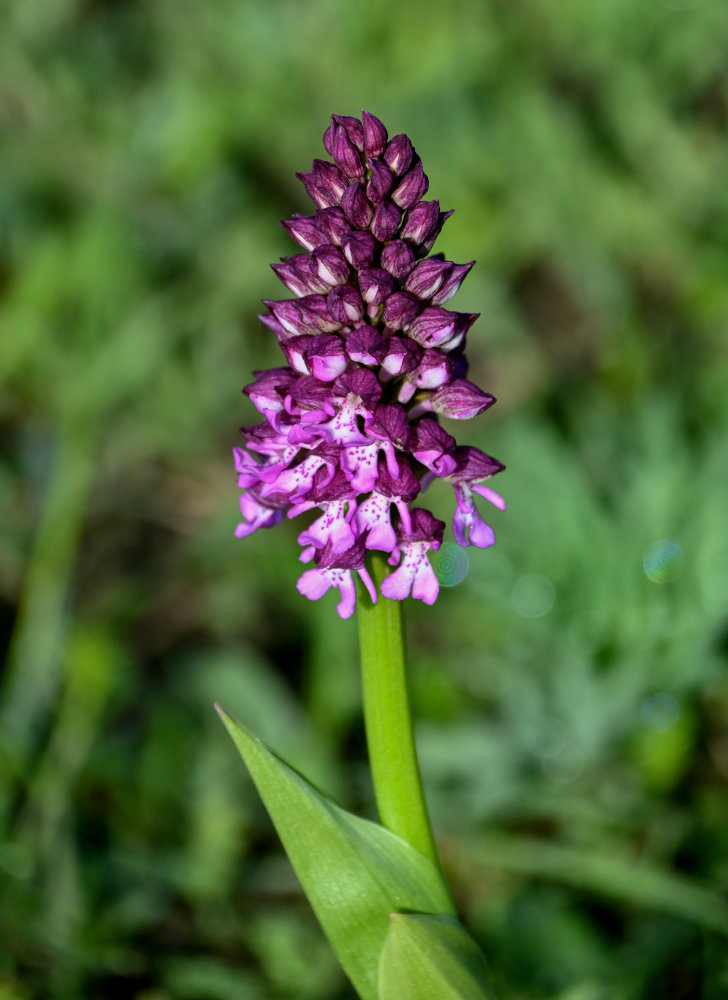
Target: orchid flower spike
[[350, 427]]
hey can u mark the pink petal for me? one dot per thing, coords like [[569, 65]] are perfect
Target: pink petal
[[313, 584], [425, 586]]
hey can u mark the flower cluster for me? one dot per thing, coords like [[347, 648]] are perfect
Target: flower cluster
[[350, 425]]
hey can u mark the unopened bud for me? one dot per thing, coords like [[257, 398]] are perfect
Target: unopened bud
[[411, 188], [375, 285], [420, 221], [345, 154], [451, 283], [427, 277], [356, 206], [303, 229], [380, 181], [375, 135], [330, 265], [353, 128], [460, 400], [398, 154], [359, 249], [400, 309], [385, 223], [345, 304], [398, 258]]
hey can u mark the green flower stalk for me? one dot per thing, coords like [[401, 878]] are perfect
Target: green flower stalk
[[390, 736]]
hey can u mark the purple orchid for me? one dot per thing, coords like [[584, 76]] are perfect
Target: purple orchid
[[351, 427]]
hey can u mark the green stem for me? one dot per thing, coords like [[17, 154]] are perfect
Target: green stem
[[388, 721]]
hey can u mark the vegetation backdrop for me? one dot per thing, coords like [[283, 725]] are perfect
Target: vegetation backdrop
[[571, 691]]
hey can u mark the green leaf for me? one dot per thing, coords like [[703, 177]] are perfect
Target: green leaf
[[428, 957], [354, 872]]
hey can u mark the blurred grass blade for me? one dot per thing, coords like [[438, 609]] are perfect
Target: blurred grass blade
[[354, 872], [429, 957], [645, 885]]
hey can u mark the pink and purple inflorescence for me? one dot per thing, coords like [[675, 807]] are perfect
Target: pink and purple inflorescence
[[350, 425]]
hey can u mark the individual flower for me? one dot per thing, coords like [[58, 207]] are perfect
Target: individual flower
[[350, 429]]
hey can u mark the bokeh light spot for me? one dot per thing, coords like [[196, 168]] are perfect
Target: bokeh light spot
[[451, 564], [533, 595], [663, 561]]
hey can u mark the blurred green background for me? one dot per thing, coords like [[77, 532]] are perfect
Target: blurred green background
[[571, 692]]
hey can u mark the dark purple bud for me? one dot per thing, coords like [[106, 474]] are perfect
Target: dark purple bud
[[433, 446], [303, 229], [425, 528], [438, 327], [352, 558], [428, 434], [359, 249], [464, 322], [461, 365], [299, 270], [434, 233], [316, 315], [380, 181], [362, 383], [434, 370], [288, 274], [309, 271], [398, 154], [400, 309], [330, 181], [401, 357], [365, 345], [309, 393], [398, 258], [260, 437], [329, 137], [387, 218], [288, 314], [427, 277], [325, 486], [270, 388], [345, 304], [352, 127], [461, 400], [391, 424], [473, 465], [412, 187], [326, 357], [375, 134], [325, 184], [420, 221], [375, 285], [356, 206], [321, 198], [272, 323], [329, 265], [405, 485], [451, 283], [345, 154], [332, 223], [295, 351]]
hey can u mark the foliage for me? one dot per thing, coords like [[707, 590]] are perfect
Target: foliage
[[571, 690]]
